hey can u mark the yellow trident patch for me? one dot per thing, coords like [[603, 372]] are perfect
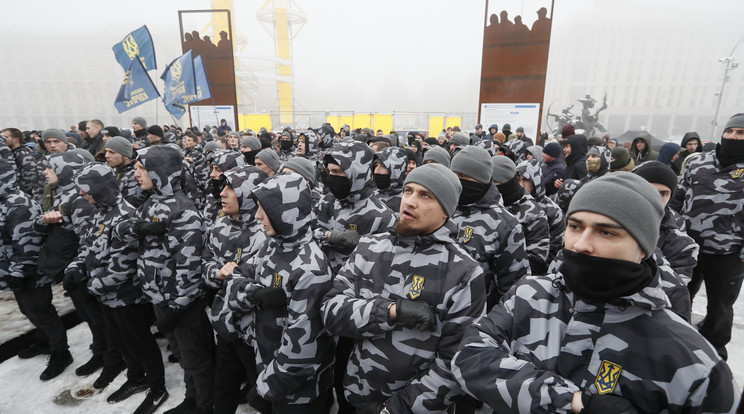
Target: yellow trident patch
[[155, 219], [467, 235], [737, 173], [353, 227], [607, 377], [276, 282], [176, 71], [100, 230], [416, 287], [239, 256], [130, 47]]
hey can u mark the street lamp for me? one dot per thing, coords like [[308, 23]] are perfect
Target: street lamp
[[730, 64]]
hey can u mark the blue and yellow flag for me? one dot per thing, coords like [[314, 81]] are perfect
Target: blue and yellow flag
[[137, 43], [202, 83], [179, 80], [175, 108], [136, 89]]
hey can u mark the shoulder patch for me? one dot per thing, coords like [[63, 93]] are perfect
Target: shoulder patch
[[276, 282], [607, 377], [416, 287], [238, 255], [467, 234], [155, 219], [737, 173], [100, 230], [353, 227]]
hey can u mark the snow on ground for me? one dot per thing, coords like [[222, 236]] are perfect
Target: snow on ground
[[22, 392]]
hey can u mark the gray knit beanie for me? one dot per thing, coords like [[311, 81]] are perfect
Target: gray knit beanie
[[475, 162], [612, 195], [442, 183], [303, 166], [54, 133], [460, 139], [140, 121], [504, 169], [736, 121], [269, 157], [438, 155], [120, 145], [621, 156], [251, 142]]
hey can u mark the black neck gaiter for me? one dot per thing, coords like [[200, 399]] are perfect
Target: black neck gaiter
[[598, 279], [730, 151], [511, 191], [250, 157], [472, 191], [382, 181]]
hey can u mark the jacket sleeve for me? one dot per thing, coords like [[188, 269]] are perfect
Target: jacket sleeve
[[346, 314], [678, 199], [489, 369], [185, 240], [24, 240], [305, 347], [122, 267], [240, 287], [212, 262], [436, 388], [537, 238], [28, 171], [511, 261]]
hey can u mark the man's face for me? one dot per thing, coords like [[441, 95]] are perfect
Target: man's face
[[664, 192], [381, 169], [640, 145], [245, 148], [734, 133], [520, 134], [114, 159], [478, 130], [692, 145], [140, 174], [548, 158], [335, 169], [11, 142], [54, 145], [87, 197], [600, 236], [264, 219], [262, 165], [526, 184], [566, 150], [611, 144], [420, 211], [92, 129], [188, 142], [593, 163], [232, 140], [301, 146], [230, 204], [410, 166], [136, 126], [216, 172], [153, 138], [51, 176]]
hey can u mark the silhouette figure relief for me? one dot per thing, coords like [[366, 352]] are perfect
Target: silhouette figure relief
[[218, 63]]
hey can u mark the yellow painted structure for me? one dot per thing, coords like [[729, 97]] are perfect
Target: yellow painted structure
[[255, 121], [438, 123], [371, 121]]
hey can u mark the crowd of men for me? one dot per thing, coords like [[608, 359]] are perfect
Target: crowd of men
[[300, 270]]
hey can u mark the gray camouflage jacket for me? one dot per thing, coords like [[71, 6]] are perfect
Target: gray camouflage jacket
[[408, 368], [676, 246], [532, 170], [536, 231], [28, 169], [396, 161], [169, 265], [294, 353], [542, 344], [129, 187]]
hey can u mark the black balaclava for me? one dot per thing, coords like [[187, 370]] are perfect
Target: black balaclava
[[339, 186], [730, 151], [511, 191], [382, 181], [472, 191], [250, 157]]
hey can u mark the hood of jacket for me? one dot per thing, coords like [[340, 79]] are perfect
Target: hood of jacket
[[228, 160], [163, 165], [532, 170], [395, 159], [690, 136], [243, 180], [579, 147], [8, 183], [645, 139], [355, 158], [536, 151], [311, 142], [289, 206], [66, 165], [516, 147], [99, 180]]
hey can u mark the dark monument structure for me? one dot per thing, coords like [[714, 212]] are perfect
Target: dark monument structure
[[587, 122], [515, 58], [218, 59]]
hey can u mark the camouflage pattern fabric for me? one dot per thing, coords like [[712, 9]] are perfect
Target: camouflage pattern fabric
[[676, 246], [532, 170], [294, 353], [518, 148], [494, 238], [487, 145], [226, 160], [536, 231], [406, 368], [76, 211], [108, 263], [169, 265], [27, 167], [20, 243], [541, 344], [395, 160], [311, 145], [564, 194], [361, 211], [713, 204], [130, 189]]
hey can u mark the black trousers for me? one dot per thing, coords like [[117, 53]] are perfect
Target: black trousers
[[36, 304], [128, 329], [235, 362], [344, 347], [88, 308], [723, 275], [194, 338]]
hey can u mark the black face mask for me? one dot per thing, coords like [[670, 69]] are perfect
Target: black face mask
[[410, 140], [382, 181], [285, 145], [250, 157], [339, 186], [216, 187], [598, 279], [730, 151], [511, 191], [472, 191]]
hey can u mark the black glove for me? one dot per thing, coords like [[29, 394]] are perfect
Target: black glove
[[73, 278], [606, 404], [415, 314], [270, 297], [167, 320], [344, 241], [149, 228], [16, 284]]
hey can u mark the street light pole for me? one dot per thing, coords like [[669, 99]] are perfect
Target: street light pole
[[731, 64]]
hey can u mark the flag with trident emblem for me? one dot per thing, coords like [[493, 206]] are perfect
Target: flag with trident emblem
[[136, 43]]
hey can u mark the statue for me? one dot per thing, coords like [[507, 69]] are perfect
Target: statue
[[586, 123]]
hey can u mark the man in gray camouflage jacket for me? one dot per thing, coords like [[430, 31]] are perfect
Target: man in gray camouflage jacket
[[598, 336], [108, 266], [712, 195], [531, 179], [170, 232], [275, 296], [405, 298]]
